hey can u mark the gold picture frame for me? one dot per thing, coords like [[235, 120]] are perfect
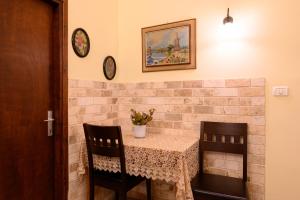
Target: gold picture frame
[[170, 46]]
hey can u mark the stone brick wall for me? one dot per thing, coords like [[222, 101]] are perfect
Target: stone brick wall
[[92, 102], [180, 106]]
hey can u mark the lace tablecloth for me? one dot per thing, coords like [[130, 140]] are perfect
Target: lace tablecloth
[[172, 158]]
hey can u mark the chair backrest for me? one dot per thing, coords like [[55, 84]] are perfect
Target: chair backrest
[[104, 141], [224, 137]]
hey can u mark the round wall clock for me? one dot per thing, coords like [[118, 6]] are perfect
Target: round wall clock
[[109, 67], [80, 42]]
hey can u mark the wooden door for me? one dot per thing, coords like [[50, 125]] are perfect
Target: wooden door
[[27, 67]]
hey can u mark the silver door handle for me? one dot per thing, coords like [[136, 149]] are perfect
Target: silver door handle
[[49, 120]]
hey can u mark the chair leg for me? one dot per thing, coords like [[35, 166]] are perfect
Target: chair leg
[[92, 192], [117, 195], [122, 195], [148, 185]]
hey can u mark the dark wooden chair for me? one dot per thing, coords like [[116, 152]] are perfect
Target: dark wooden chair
[[221, 137], [107, 141]]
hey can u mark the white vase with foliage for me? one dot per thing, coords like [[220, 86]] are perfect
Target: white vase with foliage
[[140, 120]]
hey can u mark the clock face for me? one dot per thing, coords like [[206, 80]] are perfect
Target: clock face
[[80, 42], [109, 67]]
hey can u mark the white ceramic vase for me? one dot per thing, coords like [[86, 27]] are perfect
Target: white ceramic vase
[[139, 131]]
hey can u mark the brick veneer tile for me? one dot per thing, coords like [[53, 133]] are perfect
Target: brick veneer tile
[[164, 93], [182, 109], [192, 84], [174, 84], [180, 106], [183, 92], [203, 92], [226, 92], [214, 83], [252, 92], [203, 109], [238, 83], [173, 117]]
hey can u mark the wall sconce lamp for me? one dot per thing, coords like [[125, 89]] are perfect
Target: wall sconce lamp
[[228, 18]]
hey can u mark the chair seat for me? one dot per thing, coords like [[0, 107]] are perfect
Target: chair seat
[[114, 181], [219, 187]]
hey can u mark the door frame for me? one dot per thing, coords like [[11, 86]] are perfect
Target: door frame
[[60, 92]]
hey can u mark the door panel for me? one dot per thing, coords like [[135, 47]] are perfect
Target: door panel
[[26, 152]]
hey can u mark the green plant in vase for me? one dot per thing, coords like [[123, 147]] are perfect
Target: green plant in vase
[[140, 120]]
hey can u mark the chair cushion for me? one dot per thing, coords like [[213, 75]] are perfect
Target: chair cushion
[[219, 186], [114, 180]]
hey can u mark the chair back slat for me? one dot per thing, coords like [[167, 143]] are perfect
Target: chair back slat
[[227, 139], [224, 137], [219, 138], [237, 140], [104, 146], [220, 147], [104, 141], [222, 128], [105, 151]]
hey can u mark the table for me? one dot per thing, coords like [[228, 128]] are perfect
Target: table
[[172, 158]]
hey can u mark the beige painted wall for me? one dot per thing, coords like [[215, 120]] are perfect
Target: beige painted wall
[[264, 42], [99, 19]]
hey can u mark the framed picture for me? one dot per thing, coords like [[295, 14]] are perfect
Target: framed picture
[[80, 42], [109, 67], [169, 46]]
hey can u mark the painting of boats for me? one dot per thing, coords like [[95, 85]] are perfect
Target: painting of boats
[[169, 46]]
